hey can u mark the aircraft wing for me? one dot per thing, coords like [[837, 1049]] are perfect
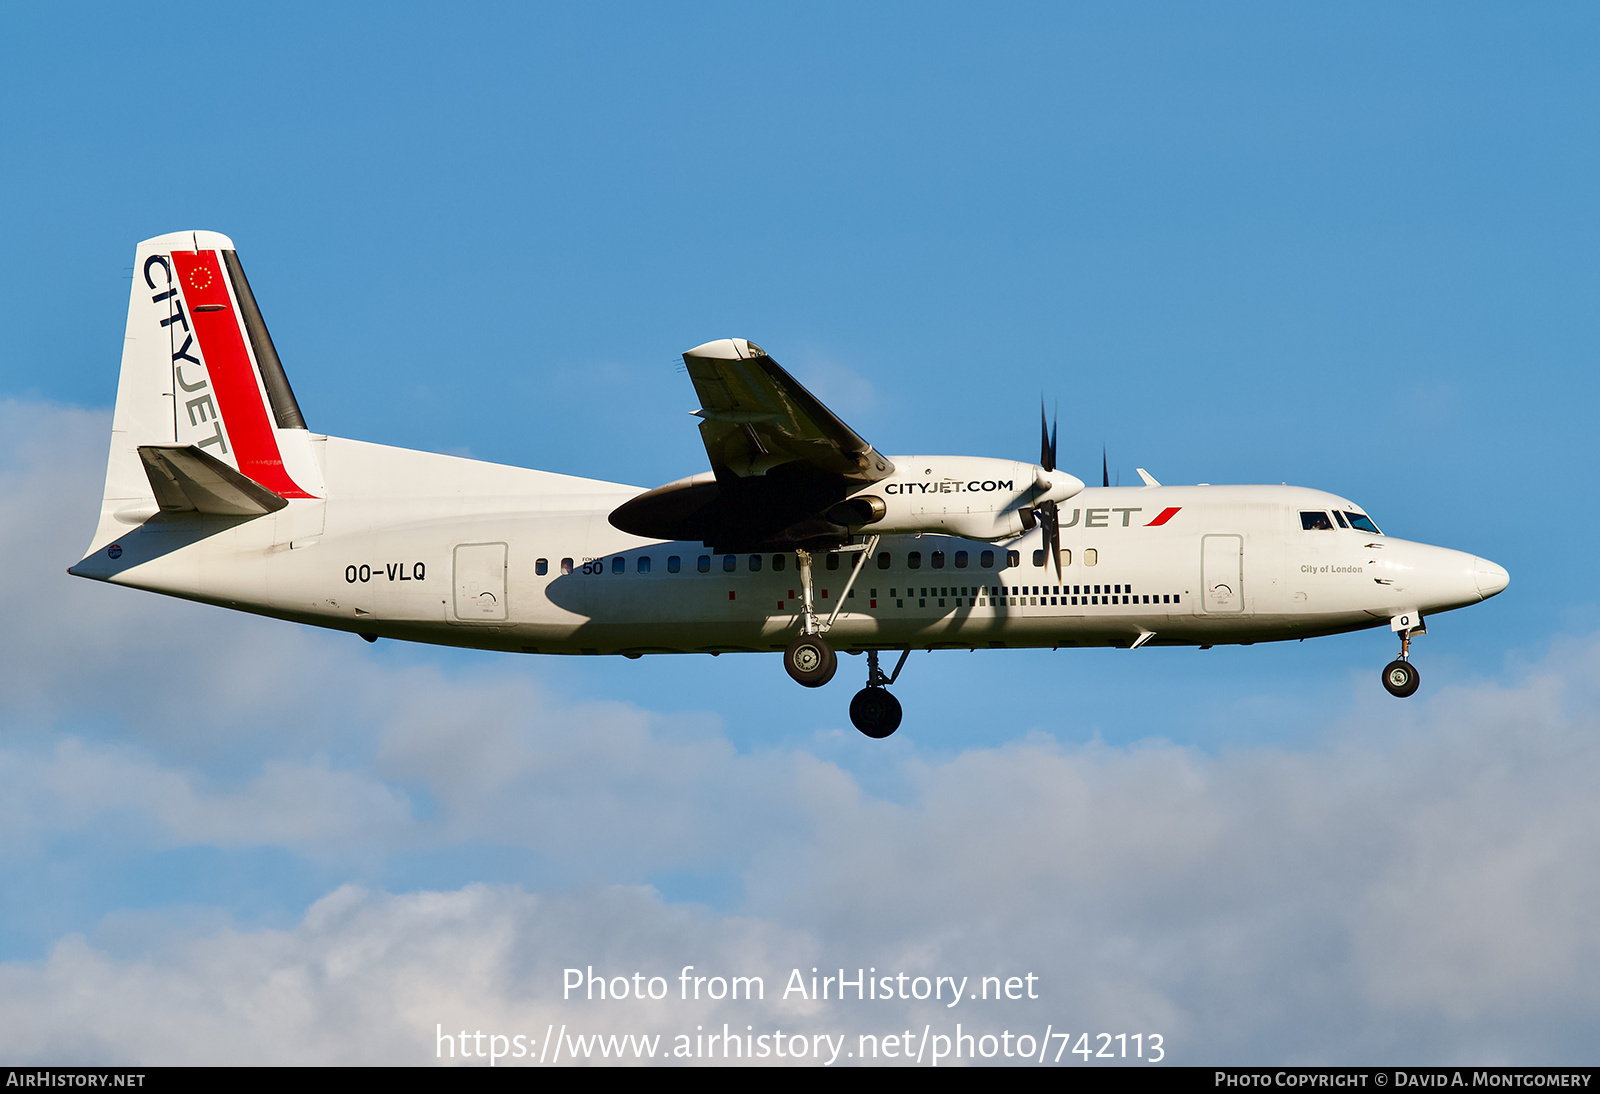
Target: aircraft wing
[[781, 462], [757, 417]]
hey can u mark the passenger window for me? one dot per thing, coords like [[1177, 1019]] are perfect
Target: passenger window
[[730, 563], [704, 564], [1038, 558], [1013, 558], [619, 565], [1066, 557], [1315, 522], [938, 560], [914, 560], [643, 565], [777, 563], [674, 564], [883, 562], [1091, 557], [833, 561], [566, 565], [541, 566], [961, 561], [986, 560], [755, 564]]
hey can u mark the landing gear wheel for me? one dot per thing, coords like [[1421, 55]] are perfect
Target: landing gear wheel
[[810, 661], [875, 712], [1401, 679]]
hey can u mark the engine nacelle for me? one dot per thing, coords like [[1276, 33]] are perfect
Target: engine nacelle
[[967, 496]]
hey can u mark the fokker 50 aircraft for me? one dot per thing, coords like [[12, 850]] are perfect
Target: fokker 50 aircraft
[[802, 538]]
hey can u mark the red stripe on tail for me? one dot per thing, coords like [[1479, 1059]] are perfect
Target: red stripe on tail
[[243, 406]]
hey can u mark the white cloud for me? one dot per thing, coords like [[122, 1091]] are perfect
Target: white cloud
[[368, 977], [304, 806], [1430, 897]]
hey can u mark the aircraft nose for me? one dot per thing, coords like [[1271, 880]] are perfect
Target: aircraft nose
[[1491, 578]]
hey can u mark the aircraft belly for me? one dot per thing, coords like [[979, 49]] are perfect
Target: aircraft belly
[[977, 627]]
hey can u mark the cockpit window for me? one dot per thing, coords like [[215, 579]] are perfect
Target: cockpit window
[[1362, 524], [1316, 521], [1338, 516]]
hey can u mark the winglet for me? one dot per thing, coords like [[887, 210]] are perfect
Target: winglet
[[187, 480]]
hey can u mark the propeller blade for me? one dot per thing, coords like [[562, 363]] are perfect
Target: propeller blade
[[1105, 470], [1050, 519], [1047, 443]]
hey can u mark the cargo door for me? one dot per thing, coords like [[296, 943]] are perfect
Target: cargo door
[[480, 582], [1222, 574]]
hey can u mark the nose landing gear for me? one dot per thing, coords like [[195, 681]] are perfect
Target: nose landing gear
[[1401, 679], [1400, 676], [873, 710]]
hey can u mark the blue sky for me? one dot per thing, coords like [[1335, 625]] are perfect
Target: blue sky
[[1351, 249]]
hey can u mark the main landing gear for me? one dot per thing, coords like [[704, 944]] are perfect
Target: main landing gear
[[811, 662], [874, 711], [1400, 676]]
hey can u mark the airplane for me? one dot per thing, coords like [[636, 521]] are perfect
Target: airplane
[[802, 538]]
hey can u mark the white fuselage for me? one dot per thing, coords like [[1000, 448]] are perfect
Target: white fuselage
[[438, 549]]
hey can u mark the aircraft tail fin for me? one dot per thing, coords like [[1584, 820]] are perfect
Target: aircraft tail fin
[[200, 374]]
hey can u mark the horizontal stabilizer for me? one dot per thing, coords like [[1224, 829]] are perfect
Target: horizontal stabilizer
[[187, 480]]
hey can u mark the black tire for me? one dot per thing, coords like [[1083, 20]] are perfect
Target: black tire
[[875, 712], [1400, 679], [810, 661]]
